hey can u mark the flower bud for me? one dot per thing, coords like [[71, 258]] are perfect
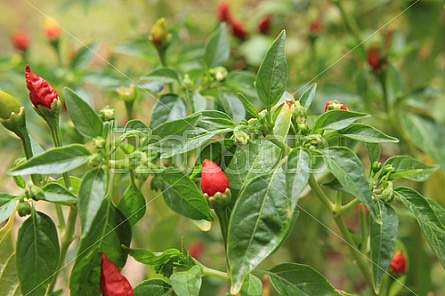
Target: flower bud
[[51, 29], [334, 105], [376, 166], [376, 60], [23, 209], [398, 262], [218, 73], [40, 92], [159, 35], [107, 113], [20, 41], [213, 179], [223, 12], [127, 93], [264, 24], [112, 282], [238, 29], [8, 105]]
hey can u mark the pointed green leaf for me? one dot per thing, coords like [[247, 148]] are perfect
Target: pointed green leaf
[[163, 75], [373, 152], [298, 169], [168, 107], [248, 106], [349, 171], [427, 135], [156, 258], [232, 105], [132, 204], [56, 193], [7, 205], [271, 79], [54, 161], [9, 281], [85, 119], [183, 196], [410, 168], [92, 192], [336, 120], [187, 283], [252, 286], [428, 218], [383, 243], [291, 279], [84, 55], [366, 133], [259, 223], [308, 96], [109, 231], [217, 48], [37, 253], [152, 287]]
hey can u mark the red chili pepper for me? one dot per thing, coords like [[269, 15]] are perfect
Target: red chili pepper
[[40, 92], [316, 26], [398, 263], [20, 40], [51, 29], [112, 282], [213, 179], [223, 12], [375, 58], [238, 29], [264, 24], [334, 105], [196, 249]]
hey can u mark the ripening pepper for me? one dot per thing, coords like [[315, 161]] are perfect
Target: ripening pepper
[[316, 26], [375, 58], [160, 34], [20, 41], [264, 24], [213, 179], [238, 29], [398, 262], [51, 29], [112, 282], [40, 92], [334, 105], [223, 12]]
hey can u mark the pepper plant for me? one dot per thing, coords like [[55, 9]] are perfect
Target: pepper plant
[[222, 163]]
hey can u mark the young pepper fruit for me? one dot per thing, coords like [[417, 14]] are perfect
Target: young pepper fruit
[[334, 105], [213, 179], [398, 263], [112, 282]]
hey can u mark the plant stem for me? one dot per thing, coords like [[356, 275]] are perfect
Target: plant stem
[[206, 271], [26, 143], [320, 194], [351, 26]]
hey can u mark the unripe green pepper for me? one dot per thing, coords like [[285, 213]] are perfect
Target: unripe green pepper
[[8, 105], [23, 209]]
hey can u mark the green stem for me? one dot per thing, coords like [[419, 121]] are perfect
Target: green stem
[[320, 194], [223, 223], [129, 109], [26, 143], [382, 77], [284, 147], [206, 271], [350, 205], [351, 26]]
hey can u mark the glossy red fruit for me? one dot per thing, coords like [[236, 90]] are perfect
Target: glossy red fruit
[[20, 41], [375, 58], [40, 92], [213, 179], [112, 282], [398, 263], [223, 12], [264, 24], [196, 249], [238, 29]]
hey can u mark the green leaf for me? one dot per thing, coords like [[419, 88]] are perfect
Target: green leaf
[[217, 48], [9, 281], [108, 232], [132, 204], [336, 120], [163, 75], [283, 122], [135, 124], [183, 196], [308, 96], [7, 205], [373, 152], [37, 253], [232, 105], [156, 258], [56, 193], [257, 157], [271, 79], [366, 133], [409, 168], [426, 134], [85, 119], [292, 279], [383, 242], [152, 287], [187, 283], [168, 107], [75, 183], [349, 171], [92, 192], [252, 286], [298, 168], [84, 55], [428, 218], [260, 221], [54, 161], [248, 106]]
